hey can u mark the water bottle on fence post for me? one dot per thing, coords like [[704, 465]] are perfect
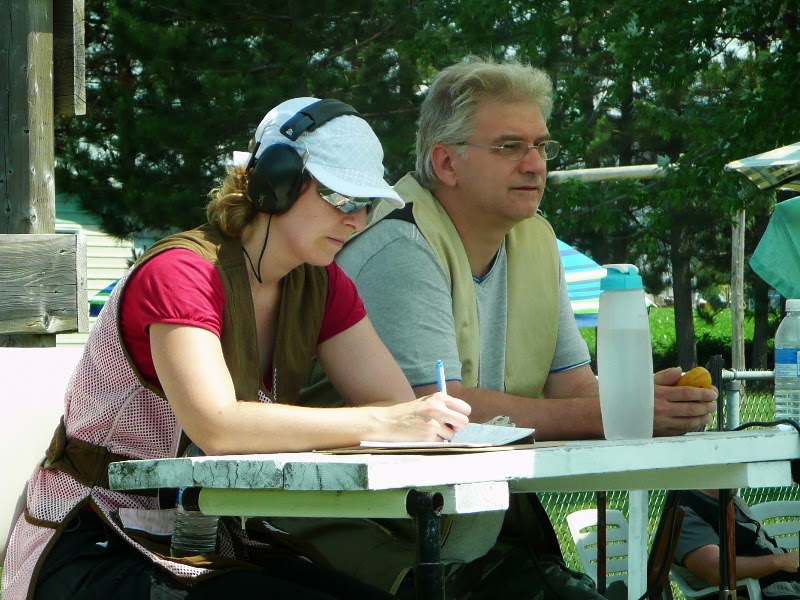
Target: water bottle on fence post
[[787, 365], [624, 356], [194, 532]]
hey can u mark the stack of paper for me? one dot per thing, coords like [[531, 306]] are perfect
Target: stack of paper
[[474, 435]]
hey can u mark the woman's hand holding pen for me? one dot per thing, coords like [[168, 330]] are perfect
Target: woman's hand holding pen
[[429, 419]]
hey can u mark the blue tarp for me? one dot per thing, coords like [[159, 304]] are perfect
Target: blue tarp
[[583, 283]]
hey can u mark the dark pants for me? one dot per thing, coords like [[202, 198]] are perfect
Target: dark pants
[[512, 572], [91, 561]]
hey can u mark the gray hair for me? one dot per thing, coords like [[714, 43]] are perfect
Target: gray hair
[[459, 90]]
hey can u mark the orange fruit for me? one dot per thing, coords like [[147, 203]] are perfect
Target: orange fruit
[[697, 377]]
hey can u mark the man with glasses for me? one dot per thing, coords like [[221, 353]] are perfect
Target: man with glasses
[[469, 272]]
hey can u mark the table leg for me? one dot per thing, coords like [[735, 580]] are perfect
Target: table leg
[[637, 543], [426, 508], [602, 540]]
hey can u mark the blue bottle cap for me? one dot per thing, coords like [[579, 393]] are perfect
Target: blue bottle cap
[[621, 277]]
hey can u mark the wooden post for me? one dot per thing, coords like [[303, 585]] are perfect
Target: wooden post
[[737, 292], [27, 55], [28, 161], [69, 58], [28, 185]]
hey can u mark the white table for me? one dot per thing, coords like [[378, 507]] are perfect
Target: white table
[[378, 485]]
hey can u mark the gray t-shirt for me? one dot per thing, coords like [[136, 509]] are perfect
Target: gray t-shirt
[[409, 301]]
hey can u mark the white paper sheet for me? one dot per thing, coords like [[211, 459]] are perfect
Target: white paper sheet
[[474, 435]]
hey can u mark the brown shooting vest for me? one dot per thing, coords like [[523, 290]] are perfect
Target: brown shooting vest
[[305, 291]]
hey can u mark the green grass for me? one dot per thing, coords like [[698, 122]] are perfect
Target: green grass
[[712, 332]]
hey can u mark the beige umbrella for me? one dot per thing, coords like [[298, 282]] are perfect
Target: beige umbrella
[[779, 168]]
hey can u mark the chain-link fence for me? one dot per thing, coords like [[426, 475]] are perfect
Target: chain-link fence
[[753, 407]]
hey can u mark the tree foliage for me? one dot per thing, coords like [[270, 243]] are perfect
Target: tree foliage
[[174, 88]]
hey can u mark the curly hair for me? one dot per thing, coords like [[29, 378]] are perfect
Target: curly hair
[[459, 90], [230, 208]]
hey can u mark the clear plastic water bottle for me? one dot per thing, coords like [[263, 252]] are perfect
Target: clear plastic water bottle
[[787, 365], [194, 533], [624, 356]]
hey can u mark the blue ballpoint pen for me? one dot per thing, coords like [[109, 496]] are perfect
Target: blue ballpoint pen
[[440, 380]]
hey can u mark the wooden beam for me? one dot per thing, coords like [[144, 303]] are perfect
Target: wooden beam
[[737, 291], [43, 284], [5, 112], [69, 58], [26, 150]]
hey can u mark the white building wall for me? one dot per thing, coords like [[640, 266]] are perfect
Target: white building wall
[[107, 257]]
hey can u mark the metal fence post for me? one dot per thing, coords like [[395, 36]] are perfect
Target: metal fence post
[[732, 400]]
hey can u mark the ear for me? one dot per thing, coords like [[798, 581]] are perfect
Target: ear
[[442, 159]]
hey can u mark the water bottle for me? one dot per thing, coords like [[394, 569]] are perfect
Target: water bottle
[[194, 532], [787, 365], [624, 356]]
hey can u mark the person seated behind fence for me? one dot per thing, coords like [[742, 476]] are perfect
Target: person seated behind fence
[[211, 334], [757, 555]]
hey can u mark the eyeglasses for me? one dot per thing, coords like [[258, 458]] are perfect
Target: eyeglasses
[[345, 204], [519, 150]]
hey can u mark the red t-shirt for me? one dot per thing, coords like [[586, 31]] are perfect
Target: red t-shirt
[[180, 287]]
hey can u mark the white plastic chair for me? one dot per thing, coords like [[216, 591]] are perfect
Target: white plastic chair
[[781, 520], [583, 527], [751, 585]]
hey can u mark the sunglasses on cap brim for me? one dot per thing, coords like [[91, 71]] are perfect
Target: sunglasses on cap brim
[[346, 204]]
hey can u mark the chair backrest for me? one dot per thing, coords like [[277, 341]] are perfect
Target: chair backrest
[[583, 527], [751, 585], [32, 384], [781, 520]]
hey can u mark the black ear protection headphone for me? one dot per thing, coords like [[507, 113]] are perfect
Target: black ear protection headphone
[[276, 177]]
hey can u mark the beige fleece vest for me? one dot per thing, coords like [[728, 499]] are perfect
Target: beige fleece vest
[[533, 292]]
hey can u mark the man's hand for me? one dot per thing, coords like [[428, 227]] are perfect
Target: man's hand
[[681, 409], [788, 562]]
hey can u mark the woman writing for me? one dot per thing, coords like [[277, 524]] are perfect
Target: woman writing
[[208, 339]]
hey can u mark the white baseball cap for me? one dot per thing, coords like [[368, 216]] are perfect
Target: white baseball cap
[[343, 154]]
